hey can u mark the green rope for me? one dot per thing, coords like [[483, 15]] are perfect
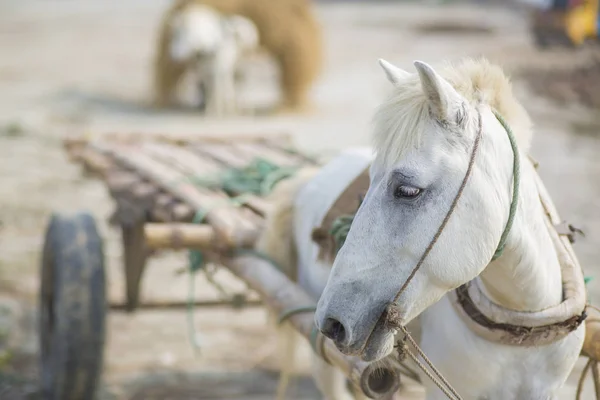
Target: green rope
[[259, 178], [516, 181], [196, 257], [197, 262], [340, 228], [192, 334]]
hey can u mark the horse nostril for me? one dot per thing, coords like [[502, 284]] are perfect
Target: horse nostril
[[334, 330]]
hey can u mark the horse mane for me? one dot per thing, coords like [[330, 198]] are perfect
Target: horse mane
[[401, 120]]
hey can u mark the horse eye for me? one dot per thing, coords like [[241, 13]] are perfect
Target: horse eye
[[404, 192]]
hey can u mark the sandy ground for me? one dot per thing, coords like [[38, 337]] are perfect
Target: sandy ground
[[84, 67]]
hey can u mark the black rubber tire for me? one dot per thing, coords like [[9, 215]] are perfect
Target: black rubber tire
[[72, 309]]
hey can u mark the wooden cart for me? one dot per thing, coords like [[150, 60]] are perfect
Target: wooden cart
[[160, 203], [159, 185]]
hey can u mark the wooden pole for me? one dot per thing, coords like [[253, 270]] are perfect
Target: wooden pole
[[230, 227], [278, 292], [179, 305], [179, 235]]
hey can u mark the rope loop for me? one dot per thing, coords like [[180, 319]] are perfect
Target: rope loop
[[516, 184]]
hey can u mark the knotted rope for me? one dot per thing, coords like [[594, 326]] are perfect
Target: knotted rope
[[429, 369], [258, 178]]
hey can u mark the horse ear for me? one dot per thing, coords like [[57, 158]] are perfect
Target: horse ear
[[393, 73], [443, 99]]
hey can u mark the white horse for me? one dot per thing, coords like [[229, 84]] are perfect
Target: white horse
[[212, 46], [438, 201]]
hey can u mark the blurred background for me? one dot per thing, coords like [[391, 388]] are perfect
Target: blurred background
[[85, 68]]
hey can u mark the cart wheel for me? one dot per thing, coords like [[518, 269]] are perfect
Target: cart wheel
[[72, 309]]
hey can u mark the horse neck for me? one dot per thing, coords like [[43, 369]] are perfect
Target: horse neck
[[527, 277]]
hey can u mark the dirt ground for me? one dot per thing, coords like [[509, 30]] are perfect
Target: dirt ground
[[77, 67], [566, 85]]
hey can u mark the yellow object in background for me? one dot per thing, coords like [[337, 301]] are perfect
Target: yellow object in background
[[571, 21], [581, 22]]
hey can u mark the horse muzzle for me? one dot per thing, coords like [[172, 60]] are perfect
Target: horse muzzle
[[356, 331]]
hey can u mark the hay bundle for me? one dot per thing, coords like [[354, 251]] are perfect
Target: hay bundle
[[288, 30]]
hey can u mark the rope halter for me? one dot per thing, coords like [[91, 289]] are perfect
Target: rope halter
[[392, 315]]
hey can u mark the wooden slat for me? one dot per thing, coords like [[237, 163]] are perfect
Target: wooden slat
[[133, 188], [168, 209], [193, 165], [181, 158], [93, 161], [230, 226], [282, 139], [162, 208], [181, 212], [285, 148], [176, 305], [178, 157], [272, 154], [251, 216], [225, 154], [120, 181]]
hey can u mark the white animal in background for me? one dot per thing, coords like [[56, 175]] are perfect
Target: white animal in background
[[211, 45]]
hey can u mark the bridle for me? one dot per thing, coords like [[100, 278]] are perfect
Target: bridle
[[513, 205], [392, 316]]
